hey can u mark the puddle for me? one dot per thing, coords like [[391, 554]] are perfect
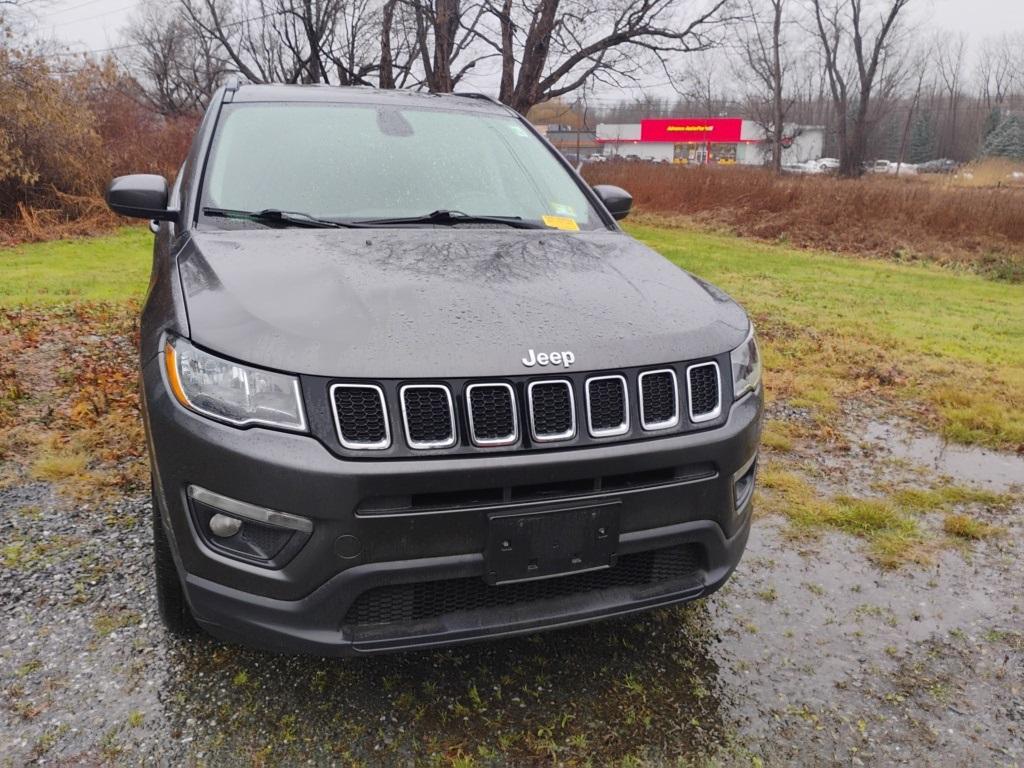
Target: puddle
[[999, 472]]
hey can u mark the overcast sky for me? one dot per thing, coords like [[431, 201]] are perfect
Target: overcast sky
[[96, 24]]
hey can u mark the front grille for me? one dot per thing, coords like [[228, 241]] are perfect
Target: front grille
[[468, 416], [428, 416], [360, 416], [705, 398], [552, 410], [433, 599], [491, 409], [659, 405], [607, 409]]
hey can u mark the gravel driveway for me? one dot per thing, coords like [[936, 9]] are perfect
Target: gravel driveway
[[812, 654]]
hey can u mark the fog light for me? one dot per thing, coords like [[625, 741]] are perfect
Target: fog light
[[224, 526], [243, 531], [743, 482]]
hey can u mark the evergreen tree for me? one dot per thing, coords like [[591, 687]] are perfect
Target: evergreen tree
[[922, 139], [1007, 140]]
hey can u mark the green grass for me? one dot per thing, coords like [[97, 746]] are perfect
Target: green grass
[[934, 310], [837, 326], [110, 268]]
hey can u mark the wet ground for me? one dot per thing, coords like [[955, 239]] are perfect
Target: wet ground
[[811, 654]]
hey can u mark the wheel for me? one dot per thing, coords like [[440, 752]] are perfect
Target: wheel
[[170, 597]]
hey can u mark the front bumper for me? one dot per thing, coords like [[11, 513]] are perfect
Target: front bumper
[[302, 606]]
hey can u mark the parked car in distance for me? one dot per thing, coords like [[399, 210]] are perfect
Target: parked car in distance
[[810, 167], [941, 165], [406, 382], [890, 167]]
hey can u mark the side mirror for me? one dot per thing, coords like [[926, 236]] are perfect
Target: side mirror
[[617, 200], [142, 196]]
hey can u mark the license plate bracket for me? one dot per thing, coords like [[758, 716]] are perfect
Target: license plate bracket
[[525, 546]]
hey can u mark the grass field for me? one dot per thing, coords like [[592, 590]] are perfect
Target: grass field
[[946, 347], [919, 335], [110, 268]]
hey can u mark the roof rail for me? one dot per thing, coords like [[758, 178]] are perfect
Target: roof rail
[[231, 86], [482, 97]]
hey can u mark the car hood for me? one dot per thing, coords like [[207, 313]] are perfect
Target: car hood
[[446, 302]]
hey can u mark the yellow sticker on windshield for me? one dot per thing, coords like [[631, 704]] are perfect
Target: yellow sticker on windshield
[[562, 222]]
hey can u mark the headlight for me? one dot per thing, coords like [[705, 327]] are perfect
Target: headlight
[[746, 366], [231, 392]]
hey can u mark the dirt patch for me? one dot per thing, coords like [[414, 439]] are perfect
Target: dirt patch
[[71, 414]]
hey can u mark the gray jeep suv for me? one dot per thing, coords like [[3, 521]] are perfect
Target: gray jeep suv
[[406, 383]]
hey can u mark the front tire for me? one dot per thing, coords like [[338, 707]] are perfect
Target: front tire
[[170, 596]]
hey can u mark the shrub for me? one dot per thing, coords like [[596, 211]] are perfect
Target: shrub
[[63, 136], [48, 140], [905, 218]]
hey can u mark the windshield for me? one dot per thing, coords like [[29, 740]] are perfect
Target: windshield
[[350, 162]]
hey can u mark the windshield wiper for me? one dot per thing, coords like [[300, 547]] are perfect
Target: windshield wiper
[[446, 217], [275, 217]]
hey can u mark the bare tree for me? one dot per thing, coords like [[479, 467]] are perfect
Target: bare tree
[[950, 51], [1000, 62], [399, 46], [292, 41], [860, 65], [177, 67], [549, 48], [919, 68], [762, 54], [447, 33]]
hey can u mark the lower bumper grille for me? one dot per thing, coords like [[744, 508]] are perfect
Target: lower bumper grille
[[433, 599]]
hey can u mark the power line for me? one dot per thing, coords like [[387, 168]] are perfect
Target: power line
[[99, 50], [59, 11], [96, 16], [125, 46]]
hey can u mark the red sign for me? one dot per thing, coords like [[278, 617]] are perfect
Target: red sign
[[692, 130]]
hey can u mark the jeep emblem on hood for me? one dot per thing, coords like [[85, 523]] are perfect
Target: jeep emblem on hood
[[564, 359]]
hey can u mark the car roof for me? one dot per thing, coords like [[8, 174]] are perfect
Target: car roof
[[279, 93]]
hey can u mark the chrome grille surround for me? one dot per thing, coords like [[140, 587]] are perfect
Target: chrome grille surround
[[621, 428], [551, 437], [361, 445], [665, 423], [715, 412], [420, 445], [509, 439]]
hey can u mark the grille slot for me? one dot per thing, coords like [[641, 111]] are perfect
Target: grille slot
[[428, 415], [659, 402], [360, 416], [492, 416], [433, 599], [559, 489], [552, 410], [607, 406], [704, 391]]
